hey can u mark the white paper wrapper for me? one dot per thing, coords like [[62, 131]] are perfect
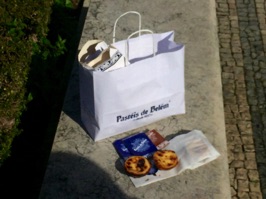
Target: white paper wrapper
[[193, 150]]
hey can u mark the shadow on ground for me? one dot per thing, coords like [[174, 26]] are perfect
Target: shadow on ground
[[69, 176]]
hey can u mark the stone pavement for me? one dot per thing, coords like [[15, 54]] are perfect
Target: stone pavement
[[242, 36], [81, 168]]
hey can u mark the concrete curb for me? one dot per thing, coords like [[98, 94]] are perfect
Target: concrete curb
[[79, 167]]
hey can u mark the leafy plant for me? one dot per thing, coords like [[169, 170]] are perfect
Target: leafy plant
[[31, 46], [22, 25]]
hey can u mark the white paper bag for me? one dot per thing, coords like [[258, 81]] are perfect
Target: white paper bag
[[150, 88]]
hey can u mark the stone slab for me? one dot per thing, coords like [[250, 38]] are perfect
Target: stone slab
[[81, 168]]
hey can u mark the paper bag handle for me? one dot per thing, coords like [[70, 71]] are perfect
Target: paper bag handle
[[139, 31], [129, 12]]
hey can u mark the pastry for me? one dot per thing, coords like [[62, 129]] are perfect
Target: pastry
[[165, 159], [137, 166]]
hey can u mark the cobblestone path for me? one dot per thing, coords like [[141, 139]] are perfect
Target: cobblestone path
[[242, 37]]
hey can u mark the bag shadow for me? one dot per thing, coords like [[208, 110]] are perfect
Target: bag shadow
[[71, 106]]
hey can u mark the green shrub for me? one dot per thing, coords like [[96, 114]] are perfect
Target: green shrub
[[23, 30]]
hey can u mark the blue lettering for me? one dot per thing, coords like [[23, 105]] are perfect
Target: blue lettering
[[159, 107]]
